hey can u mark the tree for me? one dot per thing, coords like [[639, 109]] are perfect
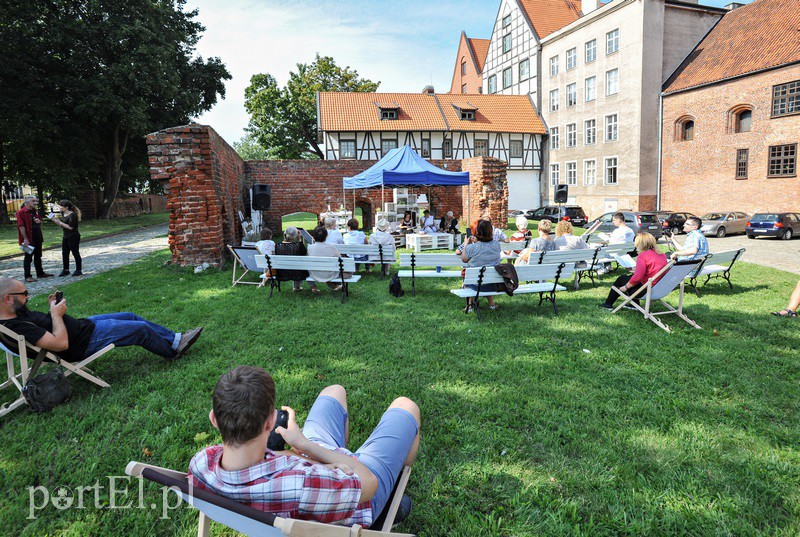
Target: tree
[[249, 149], [117, 70], [284, 120]]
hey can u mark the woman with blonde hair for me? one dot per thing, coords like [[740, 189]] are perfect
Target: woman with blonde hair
[[565, 240], [542, 243], [648, 263], [71, 240]]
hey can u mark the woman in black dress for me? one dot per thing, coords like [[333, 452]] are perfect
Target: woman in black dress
[[293, 245], [71, 241]]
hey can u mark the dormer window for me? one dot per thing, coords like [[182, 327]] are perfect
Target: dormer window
[[388, 114], [388, 111], [466, 112]]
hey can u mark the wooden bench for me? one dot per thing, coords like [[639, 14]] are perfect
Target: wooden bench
[[540, 274], [438, 261], [717, 265], [375, 253], [586, 258], [341, 265]]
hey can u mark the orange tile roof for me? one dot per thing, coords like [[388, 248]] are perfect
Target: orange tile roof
[[341, 112], [480, 47], [761, 35], [548, 16]]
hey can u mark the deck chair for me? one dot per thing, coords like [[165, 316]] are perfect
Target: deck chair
[[9, 340], [668, 278], [245, 258], [253, 522]]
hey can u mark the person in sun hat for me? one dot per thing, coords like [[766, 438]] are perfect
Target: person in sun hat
[[381, 236]]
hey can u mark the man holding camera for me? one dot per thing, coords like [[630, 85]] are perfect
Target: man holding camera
[[696, 245], [75, 339], [319, 479]]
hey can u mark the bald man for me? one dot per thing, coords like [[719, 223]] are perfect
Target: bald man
[[74, 339]]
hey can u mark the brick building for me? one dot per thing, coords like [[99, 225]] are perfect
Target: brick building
[[469, 65], [731, 116]]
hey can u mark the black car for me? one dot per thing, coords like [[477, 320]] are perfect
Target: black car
[[673, 221], [571, 213], [783, 225]]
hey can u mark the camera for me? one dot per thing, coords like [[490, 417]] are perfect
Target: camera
[[59, 296], [275, 441], [667, 232]]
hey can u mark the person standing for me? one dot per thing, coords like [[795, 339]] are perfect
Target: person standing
[[71, 241], [29, 230]]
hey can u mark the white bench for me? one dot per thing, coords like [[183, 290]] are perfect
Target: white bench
[[509, 249], [438, 261], [717, 265], [586, 257], [540, 274], [341, 265], [375, 253]]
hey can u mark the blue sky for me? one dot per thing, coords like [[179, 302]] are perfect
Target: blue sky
[[404, 45]]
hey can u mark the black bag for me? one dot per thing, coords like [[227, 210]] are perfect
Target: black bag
[[46, 391], [395, 289]]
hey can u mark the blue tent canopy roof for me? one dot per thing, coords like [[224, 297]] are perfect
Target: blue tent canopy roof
[[403, 167]]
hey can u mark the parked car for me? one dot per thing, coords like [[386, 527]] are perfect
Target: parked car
[[637, 221], [572, 213], [673, 221], [515, 213], [721, 224], [783, 225]]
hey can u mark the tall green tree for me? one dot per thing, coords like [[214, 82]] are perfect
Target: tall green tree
[[116, 71], [284, 119]]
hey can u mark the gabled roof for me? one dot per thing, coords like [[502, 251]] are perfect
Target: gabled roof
[[479, 49], [759, 36], [548, 16], [348, 112]]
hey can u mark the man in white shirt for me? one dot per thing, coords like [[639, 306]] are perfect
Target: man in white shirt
[[428, 222], [623, 233], [385, 240]]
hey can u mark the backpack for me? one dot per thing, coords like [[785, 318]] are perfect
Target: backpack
[[395, 288]]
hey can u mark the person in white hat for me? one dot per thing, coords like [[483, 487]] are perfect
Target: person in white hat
[[382, 237]]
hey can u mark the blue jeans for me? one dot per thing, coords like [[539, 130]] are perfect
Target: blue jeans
[[127, 329]]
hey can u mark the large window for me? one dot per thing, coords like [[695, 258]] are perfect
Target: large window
[[554, 66], [554, 138], [612, 131], [612, 82], [572, 94], [786, 98], [589, 172], [744, 119], [610, 176], [515, 148], [554, 172], [572, 173], [591, 89], [481, 148], [572, 58], [589, 132], [612, 41], [741, 163], [554, 100], [507, 77], [388, 145], [524, 70], [572, 135], [492, 83], [347, 149], [506, 43], [591, 50], [783, 160]]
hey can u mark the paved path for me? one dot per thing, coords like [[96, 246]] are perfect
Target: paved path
[[777, 253], [98, 255]]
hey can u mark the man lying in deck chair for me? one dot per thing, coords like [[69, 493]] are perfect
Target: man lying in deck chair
[[74, 339], [327, 483]]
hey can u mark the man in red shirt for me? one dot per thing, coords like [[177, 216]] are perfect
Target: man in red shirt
[[29, 230]]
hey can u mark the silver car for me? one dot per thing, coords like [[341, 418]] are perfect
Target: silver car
[[721, 224]]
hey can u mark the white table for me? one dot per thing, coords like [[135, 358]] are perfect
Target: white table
[[429, 241]]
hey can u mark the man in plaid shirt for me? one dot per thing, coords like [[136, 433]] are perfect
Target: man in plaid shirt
[[319, 479]]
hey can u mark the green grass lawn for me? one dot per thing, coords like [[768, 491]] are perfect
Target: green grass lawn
[[89, 229], [533, 424]]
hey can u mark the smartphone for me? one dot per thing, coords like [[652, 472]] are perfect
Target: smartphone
[[59, 296], [469, 232]]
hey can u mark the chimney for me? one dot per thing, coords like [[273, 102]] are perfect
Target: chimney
[[428, 90], [587, 6], [733, 5]]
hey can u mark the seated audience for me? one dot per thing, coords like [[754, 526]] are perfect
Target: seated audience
[[327, 483], [266, 246], [293, 245], [696, 245], [565, 240], [542, 243], [449, 224], [354, 236], [794, 303], [649, 261], [523, 234], [382, 237], [428, 224], [481, 250], [75, 339], [621, 235], [322, 248], [334, 235], [407, 223]]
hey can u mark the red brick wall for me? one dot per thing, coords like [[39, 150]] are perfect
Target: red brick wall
[[90, 203], [488, 190], [700, 175]]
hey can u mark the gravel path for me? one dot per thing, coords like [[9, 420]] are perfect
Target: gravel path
[[98, 256]]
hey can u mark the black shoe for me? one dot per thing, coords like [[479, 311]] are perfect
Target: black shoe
[[77, 273], [606, 306], [187, 340], [403, 510], [45, 275], [64, 272]]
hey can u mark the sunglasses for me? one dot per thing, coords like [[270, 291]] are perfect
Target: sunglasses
[[23, 293]]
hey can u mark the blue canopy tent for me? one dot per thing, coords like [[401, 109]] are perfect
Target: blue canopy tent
[[403, 167]]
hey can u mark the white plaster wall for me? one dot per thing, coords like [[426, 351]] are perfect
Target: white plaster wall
[[523, 45], [523, 189]]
